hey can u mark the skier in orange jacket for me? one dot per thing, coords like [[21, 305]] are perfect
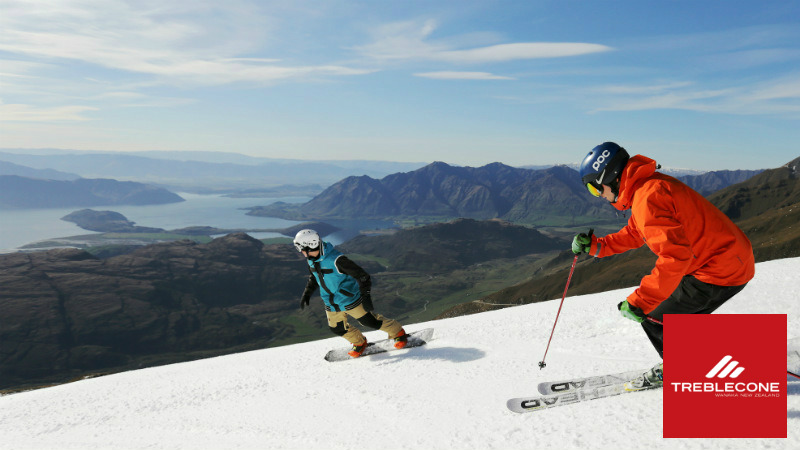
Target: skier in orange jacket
[[704, 259]]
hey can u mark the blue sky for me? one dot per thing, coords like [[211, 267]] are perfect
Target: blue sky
[[694, 84]]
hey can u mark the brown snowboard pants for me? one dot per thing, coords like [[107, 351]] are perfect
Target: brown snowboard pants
[[337, 321]]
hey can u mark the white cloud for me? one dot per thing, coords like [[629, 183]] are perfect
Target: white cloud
[[445, 75], [198, 42], [521, 50], [124, 95], [784, 88], [128, 99], [28, 113], [17, 68], [401, 41], [411, 41], [769, 97], [642, 89]]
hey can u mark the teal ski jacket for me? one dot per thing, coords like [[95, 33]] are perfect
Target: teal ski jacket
[[339, 279]]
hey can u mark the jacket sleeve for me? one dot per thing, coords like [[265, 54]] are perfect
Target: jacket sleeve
[[311, 286], [348, 267], [621, 241], [666, 237]]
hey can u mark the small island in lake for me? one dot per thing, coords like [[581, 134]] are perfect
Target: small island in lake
[[106, 222]]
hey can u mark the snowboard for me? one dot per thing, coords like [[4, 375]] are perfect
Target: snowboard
[[415, 339]]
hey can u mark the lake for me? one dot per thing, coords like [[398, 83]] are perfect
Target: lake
[[20, 227]]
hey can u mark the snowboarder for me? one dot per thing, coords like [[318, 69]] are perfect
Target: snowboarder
[[704, 259], [345, 291]]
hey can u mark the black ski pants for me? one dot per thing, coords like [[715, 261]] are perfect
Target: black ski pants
[[692, 296]]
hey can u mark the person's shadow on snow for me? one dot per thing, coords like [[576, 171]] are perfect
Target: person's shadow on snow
[[452, 354]]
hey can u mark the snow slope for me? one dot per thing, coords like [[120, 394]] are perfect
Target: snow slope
[[449, 394]]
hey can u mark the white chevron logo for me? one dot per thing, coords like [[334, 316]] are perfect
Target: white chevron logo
[[725, 368]]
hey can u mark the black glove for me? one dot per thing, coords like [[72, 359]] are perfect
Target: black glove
[[304, 301], [366, 300]]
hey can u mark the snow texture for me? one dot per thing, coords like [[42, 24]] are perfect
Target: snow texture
[[450, 393]]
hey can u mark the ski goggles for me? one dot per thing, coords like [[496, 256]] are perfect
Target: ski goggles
[[303, 248], [594, 189]]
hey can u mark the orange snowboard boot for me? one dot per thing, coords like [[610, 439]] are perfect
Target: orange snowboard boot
[[401, 339], [358, 349]]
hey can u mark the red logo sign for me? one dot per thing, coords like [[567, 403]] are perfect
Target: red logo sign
[[725, 376]]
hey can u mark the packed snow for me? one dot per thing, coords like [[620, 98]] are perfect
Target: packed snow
[[449, 394]]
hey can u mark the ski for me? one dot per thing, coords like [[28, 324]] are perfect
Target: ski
[[415, 339], [570, 385], [567, 392], [529, 404]]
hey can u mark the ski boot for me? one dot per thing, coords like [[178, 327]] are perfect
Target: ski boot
[[401, 339], [358, 349], [653, 378]]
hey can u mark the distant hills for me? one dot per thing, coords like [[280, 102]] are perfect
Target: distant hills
[[711, 182], [766, 207], [231, 173], [448, 246], [438, 191], [770, 190], [201, 172], [22, 192], [7, 168]]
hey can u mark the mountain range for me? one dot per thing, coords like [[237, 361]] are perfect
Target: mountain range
[[7, 168], [552, 196], [710, 182], [201, 172], [24, 192], [442, 191], [491, 191]]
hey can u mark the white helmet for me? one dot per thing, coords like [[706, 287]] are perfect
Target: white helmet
[[306, 240]]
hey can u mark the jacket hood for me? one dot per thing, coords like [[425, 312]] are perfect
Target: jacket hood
[[638, 169]]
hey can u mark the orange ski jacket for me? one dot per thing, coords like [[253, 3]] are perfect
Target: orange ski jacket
[[689, 235]]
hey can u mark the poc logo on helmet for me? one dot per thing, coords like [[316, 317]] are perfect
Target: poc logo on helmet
[[601, 159]]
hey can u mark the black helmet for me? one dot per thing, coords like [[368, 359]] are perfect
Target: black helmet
[[603, 165]]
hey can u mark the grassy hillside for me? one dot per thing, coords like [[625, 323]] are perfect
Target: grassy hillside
[[449, 246]]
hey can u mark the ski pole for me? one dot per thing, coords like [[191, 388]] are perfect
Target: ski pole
[[793, 374], [656, 321], [542, 363]]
